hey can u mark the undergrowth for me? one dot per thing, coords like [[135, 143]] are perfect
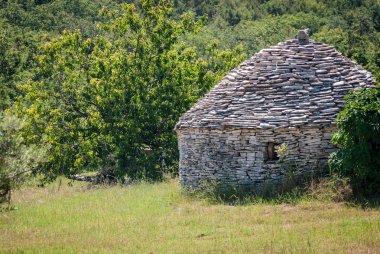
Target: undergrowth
[[331, 188]]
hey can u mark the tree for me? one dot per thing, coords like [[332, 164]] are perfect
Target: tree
[[110, 103], [358, 137], [24, 26], [17, 160], [16, 46]]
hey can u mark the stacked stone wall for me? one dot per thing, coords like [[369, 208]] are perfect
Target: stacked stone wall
[[239, 157]]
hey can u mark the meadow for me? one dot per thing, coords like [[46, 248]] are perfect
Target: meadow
[[158, 218]]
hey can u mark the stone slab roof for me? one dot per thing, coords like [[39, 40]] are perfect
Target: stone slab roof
[[294, 83]]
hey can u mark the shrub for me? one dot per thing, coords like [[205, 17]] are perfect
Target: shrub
[[17, 160], [331, 188], [358, 136]]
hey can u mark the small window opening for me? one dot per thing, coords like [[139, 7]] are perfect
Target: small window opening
[[271, 152]]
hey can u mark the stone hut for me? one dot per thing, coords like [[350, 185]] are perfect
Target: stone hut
[[289, 95]]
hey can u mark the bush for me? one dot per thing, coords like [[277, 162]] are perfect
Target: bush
[[331, 188], [358, 136], [17, 160]]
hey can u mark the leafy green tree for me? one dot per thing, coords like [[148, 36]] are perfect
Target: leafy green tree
[[24, 25], [358, 137], [16, 46], [110, 103], [17, 160]]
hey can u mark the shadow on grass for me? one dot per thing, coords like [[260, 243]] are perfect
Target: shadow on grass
[[221, 193], [291, 191], [365, 202]]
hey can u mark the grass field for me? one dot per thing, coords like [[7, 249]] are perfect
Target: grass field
[[156, 218]]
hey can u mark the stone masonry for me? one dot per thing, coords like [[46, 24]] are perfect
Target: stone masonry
[[288, 94], [239, 157]]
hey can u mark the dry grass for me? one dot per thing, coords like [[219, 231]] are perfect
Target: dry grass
[[156, 218]]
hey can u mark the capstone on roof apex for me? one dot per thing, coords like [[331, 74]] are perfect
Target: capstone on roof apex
[[303, 36]]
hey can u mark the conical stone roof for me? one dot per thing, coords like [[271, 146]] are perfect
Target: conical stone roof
[[294, 83]]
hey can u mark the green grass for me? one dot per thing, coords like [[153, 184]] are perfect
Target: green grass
[[156, 218]]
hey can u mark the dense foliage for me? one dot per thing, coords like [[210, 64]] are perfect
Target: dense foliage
[[350, 25], [358, 137], [25, 25], [110, 103], [17, 160]]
